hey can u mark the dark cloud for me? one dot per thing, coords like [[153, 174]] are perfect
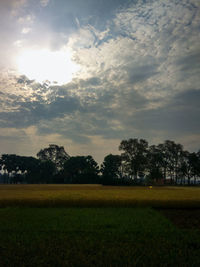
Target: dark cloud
[[13, 138], [142, 73], [139, 71], [24, 80], [27, 113], [179, 117], [94, 81], [190, 62]]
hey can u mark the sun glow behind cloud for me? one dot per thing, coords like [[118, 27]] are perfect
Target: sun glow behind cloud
[[138, 73], [41, 65]]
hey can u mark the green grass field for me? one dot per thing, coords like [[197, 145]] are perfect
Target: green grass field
[[94, 237], [102, 227]]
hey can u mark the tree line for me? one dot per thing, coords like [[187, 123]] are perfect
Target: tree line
[[138, 164]]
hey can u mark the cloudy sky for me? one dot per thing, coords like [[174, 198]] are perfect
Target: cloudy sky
[[86, 74]]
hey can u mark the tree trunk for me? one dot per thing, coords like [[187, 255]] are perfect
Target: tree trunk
[[164, 175], [188, 179]]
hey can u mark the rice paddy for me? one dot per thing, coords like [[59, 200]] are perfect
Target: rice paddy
[[99, 196], [93, 225]]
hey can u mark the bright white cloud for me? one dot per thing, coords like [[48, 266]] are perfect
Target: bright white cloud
[[42, 65], [27, 19], [131, 83], [26, 30], [157, 34]]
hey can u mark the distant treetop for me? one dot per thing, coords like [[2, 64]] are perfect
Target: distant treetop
[[54, 153]]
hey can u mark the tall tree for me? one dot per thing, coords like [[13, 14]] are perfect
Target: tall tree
[[155, 163], [134, 155], [54, 153], [186, 168], [81, 169], [172, 154], [10, 165], [19, 168], [46, 173], [111, 168]]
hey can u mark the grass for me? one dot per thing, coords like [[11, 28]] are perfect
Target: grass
[[98, 196], [94, 237], [93, 225]]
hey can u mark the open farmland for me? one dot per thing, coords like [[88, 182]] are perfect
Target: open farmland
[[93, 225], [99, 196], [94, 237]]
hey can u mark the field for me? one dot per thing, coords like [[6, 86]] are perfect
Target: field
[[65, 225], [98, 196]]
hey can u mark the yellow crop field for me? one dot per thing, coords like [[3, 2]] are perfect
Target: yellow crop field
[[98, 195]]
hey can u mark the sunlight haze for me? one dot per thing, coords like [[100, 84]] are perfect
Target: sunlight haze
[[86, 74], [41, 65]]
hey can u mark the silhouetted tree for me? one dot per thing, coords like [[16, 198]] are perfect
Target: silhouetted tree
[[186, 167], [32, 169], [171, 157], [47, 169], [18, 167], [155, 163], [11, 165], [55, 166], [197, 169], [81, 169], [38, 171], [111, 169], [54, 153], [134, 156], [165, 156]]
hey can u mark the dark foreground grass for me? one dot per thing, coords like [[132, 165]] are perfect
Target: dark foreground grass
[[94, 237]]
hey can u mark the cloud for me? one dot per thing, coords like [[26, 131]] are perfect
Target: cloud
[[177, 118], [189, 64], [139, 74], [44, 2], [26, 30], [20, 112]]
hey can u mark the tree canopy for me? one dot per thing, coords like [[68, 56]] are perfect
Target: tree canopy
[[54, 153], [81, 169], [134, 155], [138, 163]]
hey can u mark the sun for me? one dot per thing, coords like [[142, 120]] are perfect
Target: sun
[[42, 65]]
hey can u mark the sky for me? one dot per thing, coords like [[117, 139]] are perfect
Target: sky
[[86, 74]]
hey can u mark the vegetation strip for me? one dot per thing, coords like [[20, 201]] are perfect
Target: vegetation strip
[[138, 164], [98, 196]]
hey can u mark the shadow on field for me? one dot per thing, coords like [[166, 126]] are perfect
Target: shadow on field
[[183, 218]]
